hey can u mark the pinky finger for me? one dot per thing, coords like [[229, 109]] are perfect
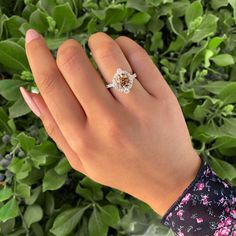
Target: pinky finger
[[53, 130]]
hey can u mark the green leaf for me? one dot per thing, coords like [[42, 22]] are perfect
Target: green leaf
[[65, 18], [48, 5], [9, 210], [117, 197], [193, 11], [52, 180], [95, 225], [37, 229], [26, 142], [207, 27], [38, 21], [110, 215], [86, 193], [215, 42], [49, 204], [223, 60], [139, 18], [216, 4], [21, 167], [9, 88], [139, 5], [13, 24], [33, 213], [62, 167], [67, 220], [5, 193], [34, 195], [228, 94], [95, 187], [8, 226], [23, 190], [19, 108], [4, 121], [223, 169], [233, 5], [115, 14], [13, 56], [216, 87]]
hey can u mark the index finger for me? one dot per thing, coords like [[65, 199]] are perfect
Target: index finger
[[65, 108]]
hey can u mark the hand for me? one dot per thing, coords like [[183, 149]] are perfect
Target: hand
[[136, 142]]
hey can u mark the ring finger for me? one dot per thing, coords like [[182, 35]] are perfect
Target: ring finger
[[109, 57]]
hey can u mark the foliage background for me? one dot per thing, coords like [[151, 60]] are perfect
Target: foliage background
[[191, 42]]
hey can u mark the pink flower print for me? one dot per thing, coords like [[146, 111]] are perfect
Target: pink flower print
[[220, 225], [180, 234], [222, 200], [226, 185], [199, 220], [186, 198], [170, 214], [205, 200], [200, 186], [234, 234], [180, 213], [235, 226], [227, 209], [233, 200], [233, 214], [228, 221], [222, 232], [207, 171]]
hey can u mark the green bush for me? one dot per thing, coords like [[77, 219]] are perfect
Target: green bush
[[193, 45]]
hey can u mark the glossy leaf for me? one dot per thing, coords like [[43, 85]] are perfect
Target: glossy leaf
[[67, 220], [9, 210], [33, 213], [52, 180]]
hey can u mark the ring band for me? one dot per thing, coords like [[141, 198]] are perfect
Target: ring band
[[122, 81]]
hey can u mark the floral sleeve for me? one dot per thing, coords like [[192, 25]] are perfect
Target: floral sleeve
[[206, 208]]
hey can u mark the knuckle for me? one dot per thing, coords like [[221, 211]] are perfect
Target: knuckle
[[108, 50], [51, 130], [67, 56], [47, 81], [139, 55], [82, 145], [95, 35]]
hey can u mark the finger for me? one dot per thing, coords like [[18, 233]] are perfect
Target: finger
[[55, 133], [82, 78], [149, 75], [109, 57], [55, 91]]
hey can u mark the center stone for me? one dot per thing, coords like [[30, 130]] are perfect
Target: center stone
[[123, 81]]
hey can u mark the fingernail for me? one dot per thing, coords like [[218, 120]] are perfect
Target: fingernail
[[31, 34], [30, 102]]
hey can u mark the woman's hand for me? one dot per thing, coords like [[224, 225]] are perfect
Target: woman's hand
[[136, 142]]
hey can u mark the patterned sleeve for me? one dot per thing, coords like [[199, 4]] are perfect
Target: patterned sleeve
[[207, 207]]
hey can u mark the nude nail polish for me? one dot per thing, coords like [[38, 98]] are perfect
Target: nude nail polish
[[30, 102], [31, 34]]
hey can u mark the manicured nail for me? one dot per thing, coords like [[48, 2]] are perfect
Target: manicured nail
[[30, 101], [31, 34]]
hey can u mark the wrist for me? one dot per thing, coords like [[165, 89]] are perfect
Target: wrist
[[169, 193]]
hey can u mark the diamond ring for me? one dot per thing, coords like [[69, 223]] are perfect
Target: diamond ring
[[122, 81]]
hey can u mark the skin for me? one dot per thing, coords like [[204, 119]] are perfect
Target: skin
[[137, 142]]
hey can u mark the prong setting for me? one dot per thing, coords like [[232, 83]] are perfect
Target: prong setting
[[122, 81]]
